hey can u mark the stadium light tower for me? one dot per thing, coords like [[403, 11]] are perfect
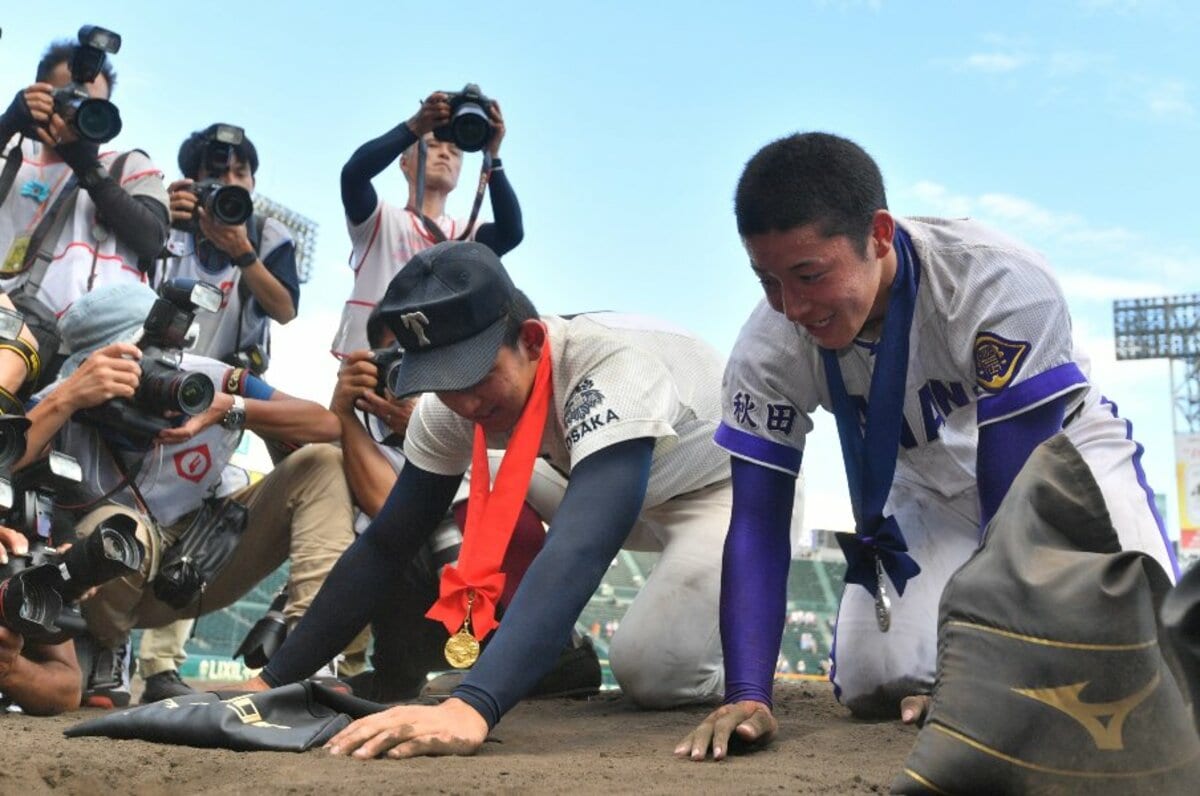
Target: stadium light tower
[[1165, 328], [304, 231]]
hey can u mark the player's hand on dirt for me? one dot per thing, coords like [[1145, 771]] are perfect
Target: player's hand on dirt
[[451, 728], [914, 709], [434, 112], [752, 722]]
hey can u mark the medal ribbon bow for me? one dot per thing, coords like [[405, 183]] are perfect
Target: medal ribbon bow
[[870, 456], [492, 515]]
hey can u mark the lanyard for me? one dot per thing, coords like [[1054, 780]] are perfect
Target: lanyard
[[878, 545]]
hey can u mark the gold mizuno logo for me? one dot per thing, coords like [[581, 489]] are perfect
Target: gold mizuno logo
[[244, 707], [1092, 715]]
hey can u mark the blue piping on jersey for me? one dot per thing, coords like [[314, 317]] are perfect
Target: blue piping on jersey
[[766, 452], [1030, 392], [1141, 479]]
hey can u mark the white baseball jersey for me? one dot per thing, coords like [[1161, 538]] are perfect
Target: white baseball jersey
[[173, 479], [381, 246], [219, 336], [990, 338], [83, 239], [615, 378]]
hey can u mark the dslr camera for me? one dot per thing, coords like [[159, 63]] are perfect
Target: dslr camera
[[229, 204], [165, 387], [387, 362], [94, 119], [38, 590], [470, 126]]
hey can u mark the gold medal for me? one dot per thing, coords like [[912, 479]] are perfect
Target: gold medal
[[462, 649], [16, 255]]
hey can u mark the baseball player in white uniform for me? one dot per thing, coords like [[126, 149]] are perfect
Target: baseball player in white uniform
[[629, 405], [945, 352]]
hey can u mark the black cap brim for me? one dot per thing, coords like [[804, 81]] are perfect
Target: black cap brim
[[456, 366]]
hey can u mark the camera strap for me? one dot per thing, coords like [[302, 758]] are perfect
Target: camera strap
[[485, 175], [12, 164]]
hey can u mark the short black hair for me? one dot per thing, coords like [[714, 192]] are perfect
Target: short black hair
[[518, 310], [61, 52], [191, 153], [810, 178], [376, 328]]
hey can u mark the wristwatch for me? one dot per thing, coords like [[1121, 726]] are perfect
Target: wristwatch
[[235, 417], [246, 259]]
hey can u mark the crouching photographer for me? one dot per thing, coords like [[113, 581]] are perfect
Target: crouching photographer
[[160, 468]]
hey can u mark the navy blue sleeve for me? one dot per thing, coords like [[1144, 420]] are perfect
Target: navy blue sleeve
[[754, 572], [580, 546], [358, 195], [1005, 445], [506, 230], [281, 262], [365, 572]]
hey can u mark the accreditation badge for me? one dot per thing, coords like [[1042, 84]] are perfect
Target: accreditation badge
[[15, 259]]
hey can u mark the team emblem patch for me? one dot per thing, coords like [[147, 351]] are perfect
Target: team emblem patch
[[997, 360], [193, 463], [580, 403]]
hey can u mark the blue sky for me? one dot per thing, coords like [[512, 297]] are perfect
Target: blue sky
[[1070, 124]]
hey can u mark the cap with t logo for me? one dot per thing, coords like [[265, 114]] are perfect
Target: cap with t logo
[[447, 307]]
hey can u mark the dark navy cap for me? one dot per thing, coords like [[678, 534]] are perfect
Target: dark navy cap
[[447, 307]]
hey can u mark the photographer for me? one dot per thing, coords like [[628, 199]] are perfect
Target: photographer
[[253, 262], [385, 236], [41, 679], [71, 218], [301, 509]]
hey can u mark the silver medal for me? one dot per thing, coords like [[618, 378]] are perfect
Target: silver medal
[[883, 604]]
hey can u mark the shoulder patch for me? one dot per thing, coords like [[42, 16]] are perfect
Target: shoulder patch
[[580, 403], [997, 360]]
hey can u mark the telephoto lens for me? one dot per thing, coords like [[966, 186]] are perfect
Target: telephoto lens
[[29, 603], [165, 388], [110, 551]]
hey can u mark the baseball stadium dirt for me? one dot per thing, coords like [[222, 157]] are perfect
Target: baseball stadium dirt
[[600, 745]]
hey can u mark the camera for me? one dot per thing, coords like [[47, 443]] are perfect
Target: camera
[[37, 589], [229, 204], [94, 119], [266, 636], [470, 126], [164, 387], [387, 362], [255, 359]]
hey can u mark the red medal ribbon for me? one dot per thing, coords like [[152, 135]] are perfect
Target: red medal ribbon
[[492, 515]]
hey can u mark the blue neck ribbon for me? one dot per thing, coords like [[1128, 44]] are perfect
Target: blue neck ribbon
[[870, 457]]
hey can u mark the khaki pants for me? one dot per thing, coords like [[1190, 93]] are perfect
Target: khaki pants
[[301, 510]]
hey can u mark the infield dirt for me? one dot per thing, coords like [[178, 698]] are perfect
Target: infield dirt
[[601, 745]]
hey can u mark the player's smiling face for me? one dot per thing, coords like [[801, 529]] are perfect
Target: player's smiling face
[[824, 283]]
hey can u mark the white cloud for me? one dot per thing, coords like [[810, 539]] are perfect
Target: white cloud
[[995, 62], [301, 364], [1170, 98]]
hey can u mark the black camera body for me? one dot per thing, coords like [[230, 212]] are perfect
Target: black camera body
[[94, 119], [164, 386], [387, 361], [38, 589], [470, 126], [228, 204]]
